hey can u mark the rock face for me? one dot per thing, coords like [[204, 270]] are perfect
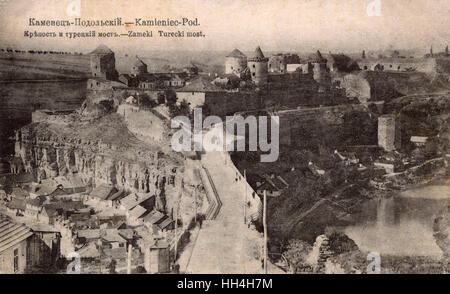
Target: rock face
[[95, 162]]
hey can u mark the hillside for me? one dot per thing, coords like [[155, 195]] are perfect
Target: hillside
[[27, 66]]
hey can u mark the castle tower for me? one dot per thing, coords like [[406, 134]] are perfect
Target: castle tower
[[257, 64], [389, 134], [235, 62], [138, 67], [321, 72], [103, 63]]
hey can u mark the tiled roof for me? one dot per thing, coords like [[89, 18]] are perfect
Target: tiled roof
[[12, 233], [134, 199], [159, 244], [89, 234], [258, 55], [102, 192], [117, 195], [89, 251], [165, 223], [200, 85], [153, 217], [137, 211], [112, 235], [102, 50], [19, 193], [126, 233], [17, 203], [36, 201]]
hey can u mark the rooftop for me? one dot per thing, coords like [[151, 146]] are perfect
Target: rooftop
[[101, 50], [258, 55], [236, 54], [12, 233], [200, 85]]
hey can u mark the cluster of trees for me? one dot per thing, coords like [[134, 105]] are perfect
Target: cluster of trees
[[9, 50]]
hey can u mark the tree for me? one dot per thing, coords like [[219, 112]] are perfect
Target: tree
[[171, 97], [112, 267], [146, 101], [296, 254], [183, 109]]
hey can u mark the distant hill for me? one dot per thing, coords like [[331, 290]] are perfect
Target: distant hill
[[27, 66]]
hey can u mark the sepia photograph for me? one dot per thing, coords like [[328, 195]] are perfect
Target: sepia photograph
[[224, 137]]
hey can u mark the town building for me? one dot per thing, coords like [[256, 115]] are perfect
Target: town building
[[389, 133], [22, 249], [235, 62], [157, 257]]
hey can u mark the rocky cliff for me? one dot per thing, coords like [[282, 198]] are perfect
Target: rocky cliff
[[101, 151]]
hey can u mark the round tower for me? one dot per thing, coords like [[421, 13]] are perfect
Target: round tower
[[103, 63], [257, 64], [138, 67], [235, 62]]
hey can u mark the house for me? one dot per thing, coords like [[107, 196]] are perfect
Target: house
[[112, 239], [389, 167], [88, 235], [89, 251], [165, 224], [273, 185], [198, 91], [22, 249], [115, 222], [48, 214], [115, 198], [18, 193], [127, 234], [419, 140], [14, 243], [100, 195], [129, 202], [157, 257], [134, 214], [48, 187], [16, 206], [71, 184], [119, 254], [81, 219], [34, 206], [152, 218]]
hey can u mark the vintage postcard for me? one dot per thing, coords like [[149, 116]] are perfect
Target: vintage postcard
[[224, 137]]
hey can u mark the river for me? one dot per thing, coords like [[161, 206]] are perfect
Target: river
[[403, 225]]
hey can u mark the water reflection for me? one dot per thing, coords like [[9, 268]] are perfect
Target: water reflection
[[402, 224]]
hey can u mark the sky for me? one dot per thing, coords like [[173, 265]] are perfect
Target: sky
[[275, 25]]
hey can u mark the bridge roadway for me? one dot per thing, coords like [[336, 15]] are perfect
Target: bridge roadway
[[224, 244]]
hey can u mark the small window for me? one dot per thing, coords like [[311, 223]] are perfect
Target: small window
[[254, 66], [253, 74]]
